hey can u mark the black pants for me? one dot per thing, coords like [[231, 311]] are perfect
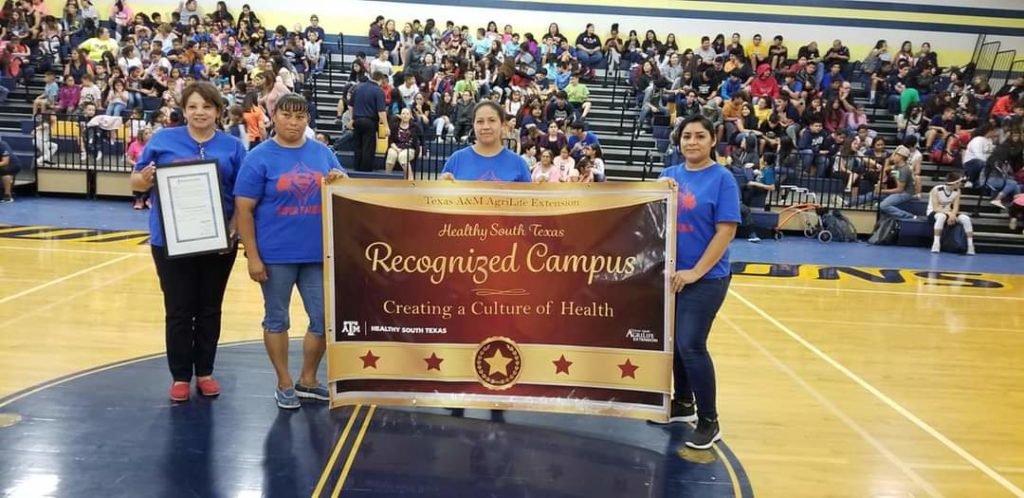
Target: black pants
[[193, 292], [364, 135]]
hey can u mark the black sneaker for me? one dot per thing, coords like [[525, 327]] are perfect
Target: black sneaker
[[681, 411], [7, 200], [705, 435]]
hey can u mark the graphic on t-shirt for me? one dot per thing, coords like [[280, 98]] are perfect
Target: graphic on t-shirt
[[489, 176], [303, 185], [687, 202]]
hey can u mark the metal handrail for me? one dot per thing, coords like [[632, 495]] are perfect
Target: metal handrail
[[632, 139], [648, 166]]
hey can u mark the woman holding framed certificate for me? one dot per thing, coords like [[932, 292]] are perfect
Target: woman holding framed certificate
[[194, 169], [278, 201]]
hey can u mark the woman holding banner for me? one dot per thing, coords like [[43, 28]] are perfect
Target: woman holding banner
[[708, 212], [278, 201], [488, 160], [193, 286]]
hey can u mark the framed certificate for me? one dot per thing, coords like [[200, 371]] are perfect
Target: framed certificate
[[192, 208]]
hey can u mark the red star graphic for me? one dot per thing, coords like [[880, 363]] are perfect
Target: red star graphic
[[369, 360], [562, 365], [433, 363], [628, 369]]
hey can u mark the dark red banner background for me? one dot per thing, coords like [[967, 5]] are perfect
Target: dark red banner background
[[637, 300]]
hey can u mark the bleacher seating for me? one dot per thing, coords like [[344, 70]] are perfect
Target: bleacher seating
[[611, 116]]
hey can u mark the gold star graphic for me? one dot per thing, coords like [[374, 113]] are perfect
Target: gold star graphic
[[498, 362]]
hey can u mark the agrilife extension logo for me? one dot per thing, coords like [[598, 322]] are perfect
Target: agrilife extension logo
[[350, 328], [641, 335]]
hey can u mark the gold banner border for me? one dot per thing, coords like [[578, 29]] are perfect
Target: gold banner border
[[327, 189], [566, 406]]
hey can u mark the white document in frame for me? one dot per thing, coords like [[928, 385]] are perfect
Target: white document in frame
[[195, 213], [192, 209]]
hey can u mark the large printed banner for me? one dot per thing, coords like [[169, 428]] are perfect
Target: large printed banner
[[511, 296]]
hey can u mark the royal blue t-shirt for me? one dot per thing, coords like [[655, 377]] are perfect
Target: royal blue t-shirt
[[175, 145], [506, 166], [706, 198], [285, 182]]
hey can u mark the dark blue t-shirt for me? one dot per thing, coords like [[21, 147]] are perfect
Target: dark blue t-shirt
[[175, 145], [706, 198], [285, 182], [367, 101], [506, 166]]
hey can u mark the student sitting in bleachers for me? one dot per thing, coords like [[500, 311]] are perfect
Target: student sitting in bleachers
[[944, 208]]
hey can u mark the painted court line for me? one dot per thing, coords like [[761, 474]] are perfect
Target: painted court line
[[959, 467], [736, 490], [64, 278], [36, 310], [921, 424], [337, 450], [868, 291], [77, 251], [852, 424], [18, 395], [926, 326], [352, 452]]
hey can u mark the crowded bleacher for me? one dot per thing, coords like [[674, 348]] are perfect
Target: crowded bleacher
[[807, 118]]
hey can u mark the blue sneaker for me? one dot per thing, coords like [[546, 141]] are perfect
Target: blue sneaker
[[317, 392], [287, 399]]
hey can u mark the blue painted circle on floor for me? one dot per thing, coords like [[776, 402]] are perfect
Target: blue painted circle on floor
[[112, 432]]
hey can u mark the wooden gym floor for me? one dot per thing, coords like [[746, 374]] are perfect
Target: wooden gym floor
[[900, 383]]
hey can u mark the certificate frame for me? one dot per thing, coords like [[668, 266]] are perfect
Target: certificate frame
[[192, 214]]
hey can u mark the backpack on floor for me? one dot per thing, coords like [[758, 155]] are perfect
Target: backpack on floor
[[886, 233], [954, 239], [840, 226]]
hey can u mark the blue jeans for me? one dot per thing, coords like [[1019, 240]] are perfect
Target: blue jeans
[[590, 60], [1004, 187], [890, 204], [973, 169], [692, 368], [277, 294], [808, 157]]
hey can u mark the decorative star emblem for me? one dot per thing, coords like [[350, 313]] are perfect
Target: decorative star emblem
[[628, 369], [433, 363], [498, 362], [369, 360], [562, 365]]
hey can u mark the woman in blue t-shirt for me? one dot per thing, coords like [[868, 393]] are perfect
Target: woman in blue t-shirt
[[277, 197], [488, 160], [193, 286], [708, 210]]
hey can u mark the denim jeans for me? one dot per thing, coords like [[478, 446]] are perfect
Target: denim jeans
[[1007, 187], [692, 368], [973, 168], [590, 60], [890, 205], [277, 293], [809, 157]]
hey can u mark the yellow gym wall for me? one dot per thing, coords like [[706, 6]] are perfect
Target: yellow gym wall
[[952, 31]]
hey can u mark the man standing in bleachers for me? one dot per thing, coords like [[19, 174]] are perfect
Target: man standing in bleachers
[[368, 111]]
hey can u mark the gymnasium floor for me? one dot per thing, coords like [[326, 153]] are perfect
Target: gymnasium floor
[[835, 379]]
